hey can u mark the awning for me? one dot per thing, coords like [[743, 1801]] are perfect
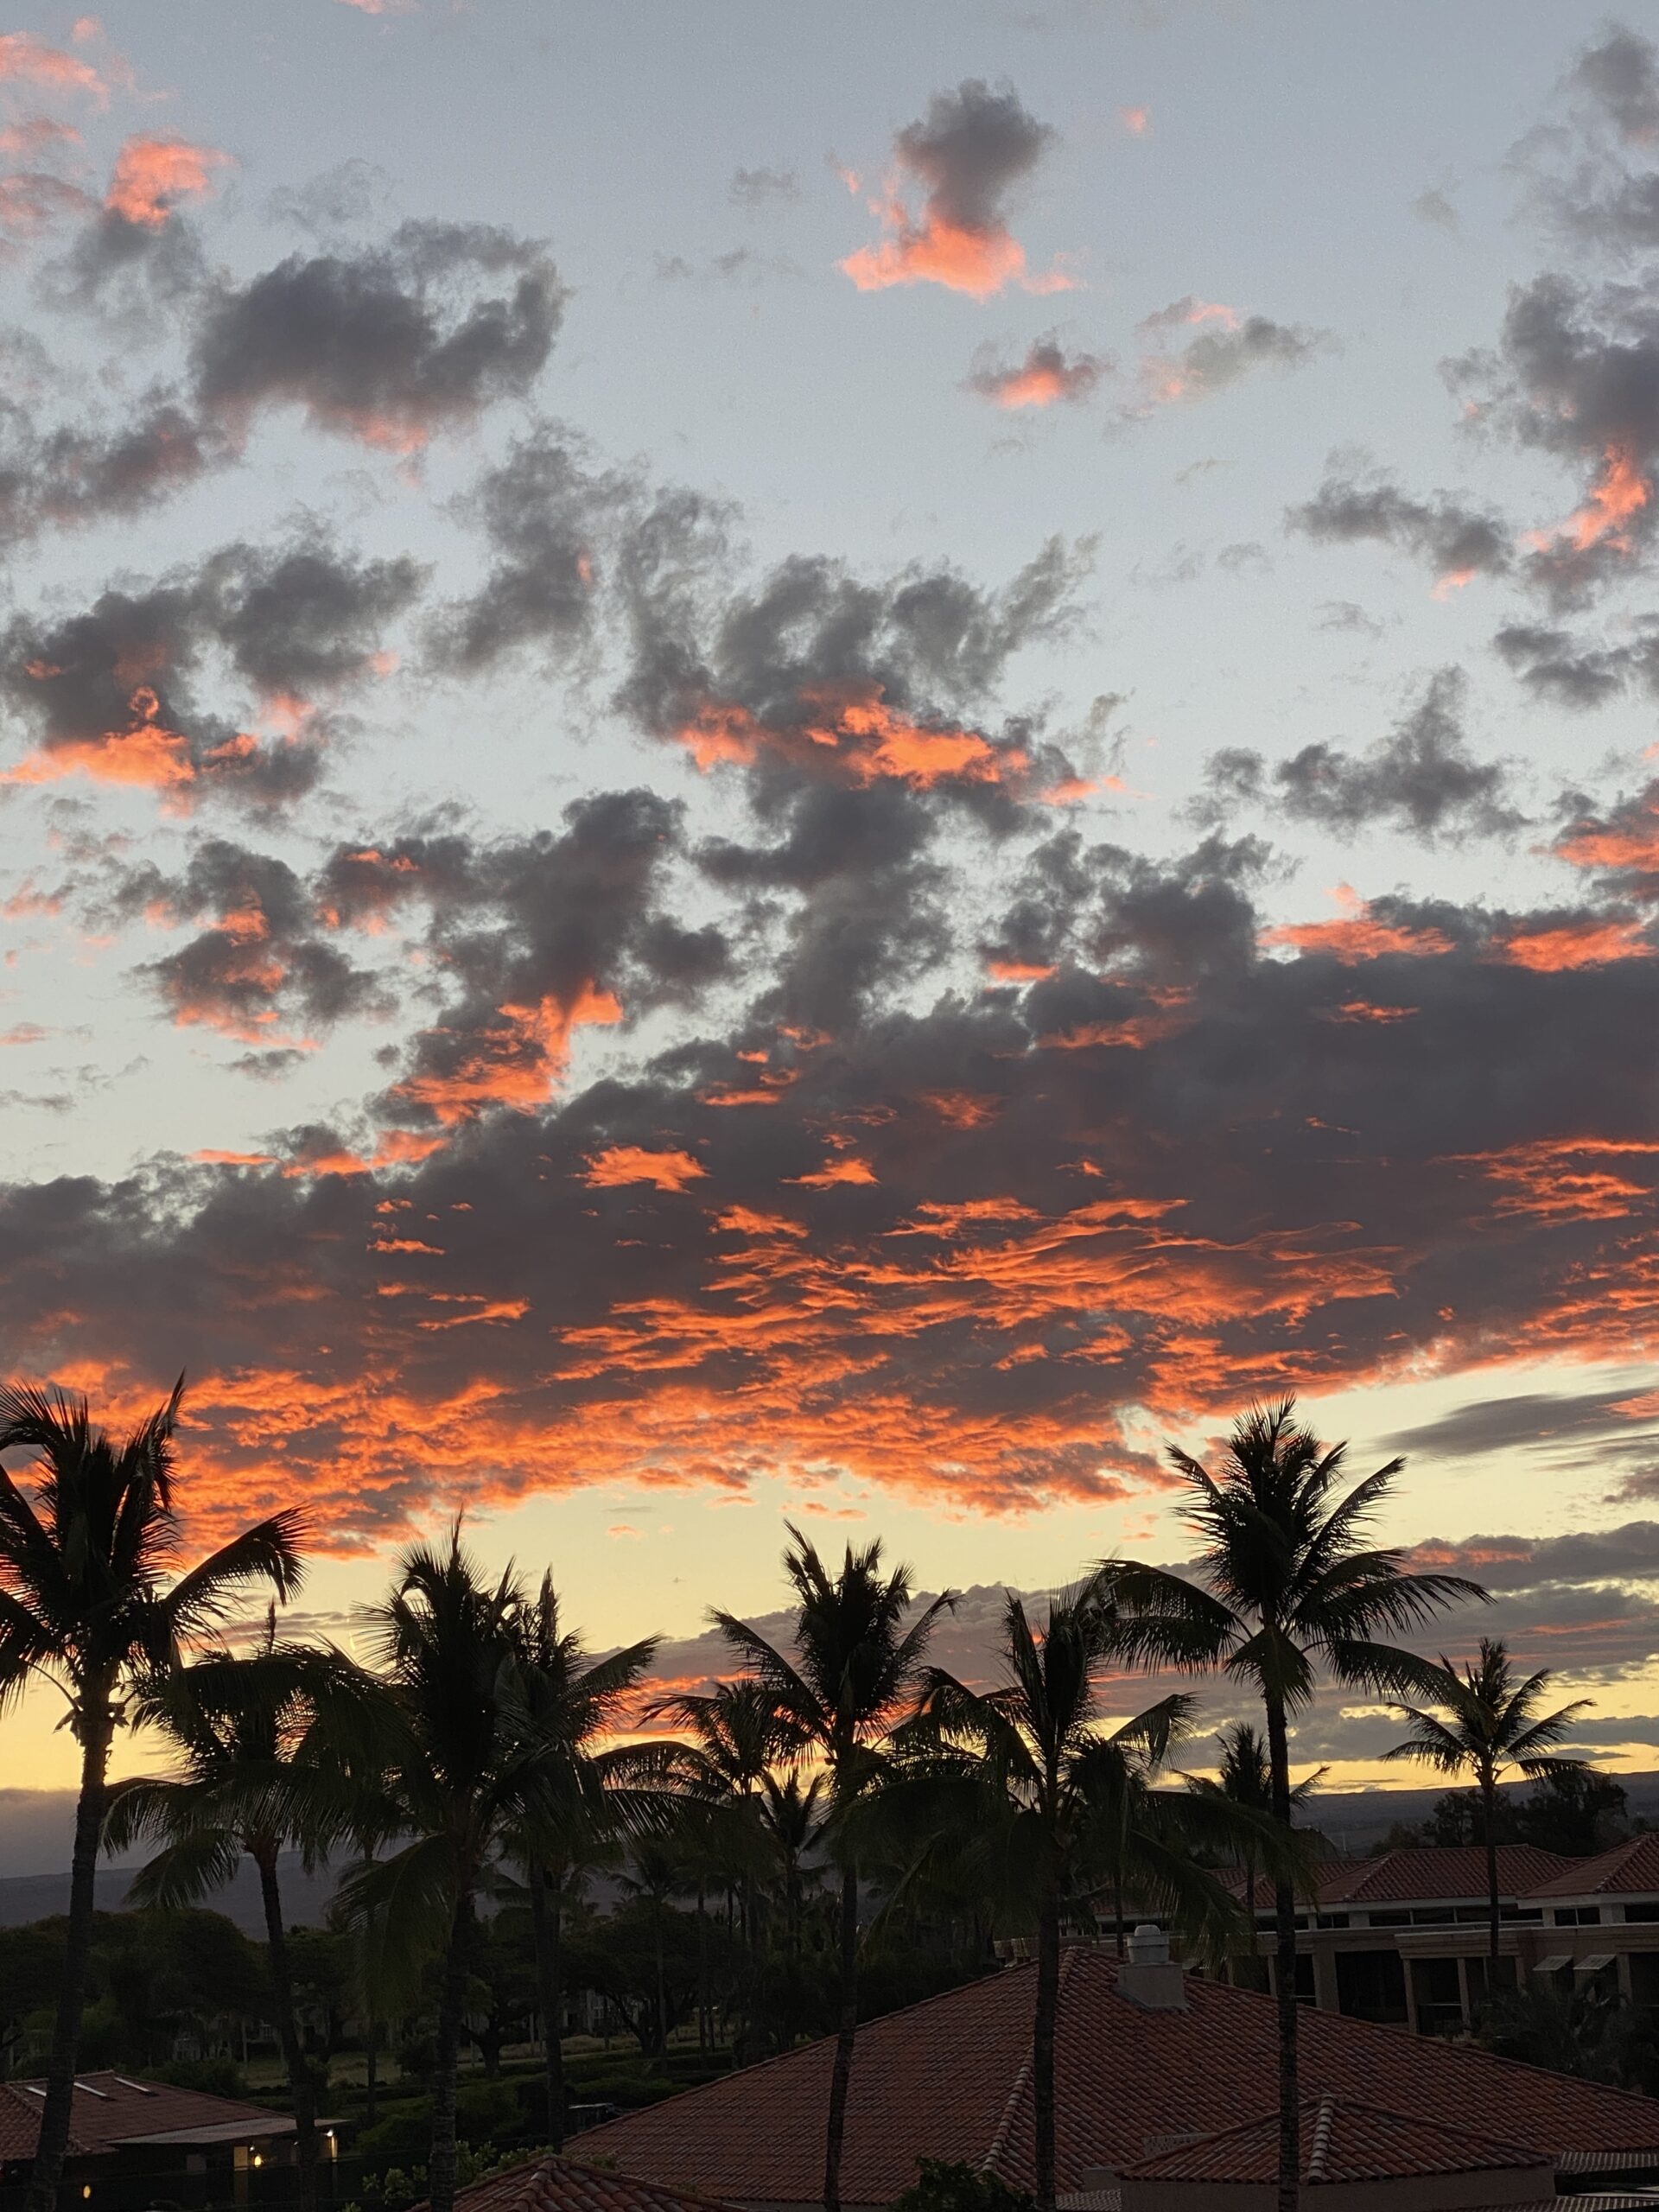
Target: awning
[[1594, 1963], [250, 2128], [1554, 1963]]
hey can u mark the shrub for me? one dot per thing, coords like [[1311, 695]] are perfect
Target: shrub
[[950, 2185]]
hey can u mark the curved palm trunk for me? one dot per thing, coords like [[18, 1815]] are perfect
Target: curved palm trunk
[[452, 2006], [301, 2089], [845, 2035], [97, 1729], [1284, 1902], [544, 1933], [1042, 2037], [1489, 1814]]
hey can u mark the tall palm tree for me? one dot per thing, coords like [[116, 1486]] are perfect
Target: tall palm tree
[[247, 1781], [1244, 1778], [91, 1601], [460, 1764], [1068, 1795], [858, 1659], [1488, 1723], [1291, 1581], [737, 1739], [590, 1788]]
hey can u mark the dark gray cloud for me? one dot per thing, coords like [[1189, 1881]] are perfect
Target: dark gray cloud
[[352, 193], [1569, 672], [262, 965], [130, 271], [1520, 1421], [1422, 778], [739, 265], [117, 691], [389, 345], [762, 187], [1228, 347], [549, 517], [746, 672], [1044, 374], [1576, 375], [970, 149], [1458, 541], [1434, 208], [1620, 73], [1617, 843], [943, 1247], [531, 937], [71, 475]]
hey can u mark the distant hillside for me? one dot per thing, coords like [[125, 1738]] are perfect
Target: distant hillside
[[1356, 1820], [36, 1826], [24, 1898]]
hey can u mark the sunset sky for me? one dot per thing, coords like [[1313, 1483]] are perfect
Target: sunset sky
[[831, 762]]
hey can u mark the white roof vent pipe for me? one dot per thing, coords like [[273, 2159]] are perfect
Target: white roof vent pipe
[[1148, 1976]]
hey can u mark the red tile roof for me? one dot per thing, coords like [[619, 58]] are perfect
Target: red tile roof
[[558, 2185], [1439, 1874], [950, 2079], [110, 2109], [1631, 1868], [1341, 2142]]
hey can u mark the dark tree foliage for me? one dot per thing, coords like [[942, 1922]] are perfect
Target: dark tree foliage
[[950, 2185]]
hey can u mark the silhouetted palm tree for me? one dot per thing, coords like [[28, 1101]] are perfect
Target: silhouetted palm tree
[[247, 1781], [737, 1737], [857, 1662], [1290, 1582], [1068, 1795], [89, 1602], [1244, 1777], [591, 1789], [460, 1764], [1488, 1723]]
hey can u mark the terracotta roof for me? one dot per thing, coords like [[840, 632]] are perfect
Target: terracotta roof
[[1439, 1873], [1341, 2142], [950, 2079], [111, 2108], [1632, 1868], [560, 2184]]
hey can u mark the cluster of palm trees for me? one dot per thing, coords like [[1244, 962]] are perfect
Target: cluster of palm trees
[[484, 1737]]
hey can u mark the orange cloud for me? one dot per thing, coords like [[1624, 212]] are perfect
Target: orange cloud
[[1576, 944], [1137, 121], [146, 753], [1568, 1177], [621, 1164], [1630, 841], [151, 175], [1360, 935], [932, 250], [26, 61], [1618, 495], [849, 734], [1047, 375], [846, 1169], [1004, 970], [516, 1062]]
